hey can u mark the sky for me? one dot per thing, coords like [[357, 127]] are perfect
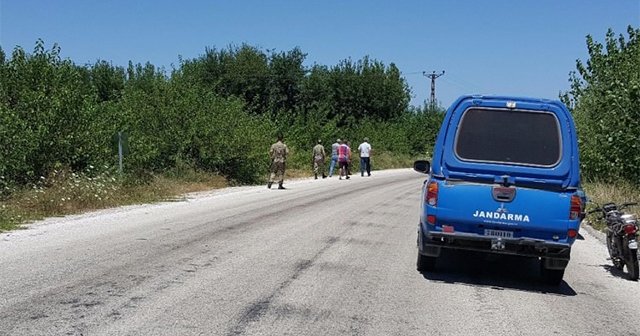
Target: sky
[[502, 47]]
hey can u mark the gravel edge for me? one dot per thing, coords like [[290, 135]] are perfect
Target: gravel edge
[[592, 231]]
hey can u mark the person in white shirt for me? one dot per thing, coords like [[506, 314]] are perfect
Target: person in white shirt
[[334, 156], [365, 157]]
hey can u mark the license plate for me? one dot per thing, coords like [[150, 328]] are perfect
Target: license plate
[[498, 233]]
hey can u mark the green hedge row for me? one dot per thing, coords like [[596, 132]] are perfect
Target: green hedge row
[[216, 113]]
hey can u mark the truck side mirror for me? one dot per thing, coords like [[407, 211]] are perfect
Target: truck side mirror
[[422, 166]]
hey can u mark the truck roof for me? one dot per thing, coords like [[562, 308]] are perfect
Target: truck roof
[[563, 173]]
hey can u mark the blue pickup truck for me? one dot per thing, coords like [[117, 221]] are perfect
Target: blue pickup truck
[[504, 178]]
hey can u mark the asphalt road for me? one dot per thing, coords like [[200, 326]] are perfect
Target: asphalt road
[[324, 257]]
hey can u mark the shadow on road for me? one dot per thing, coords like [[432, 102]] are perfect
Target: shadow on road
[[495, 271], [615, 272]]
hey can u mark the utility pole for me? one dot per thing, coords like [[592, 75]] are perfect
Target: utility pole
[[433, 77]]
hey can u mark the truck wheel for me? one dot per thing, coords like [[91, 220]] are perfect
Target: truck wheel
[[425, 263], [551, 276]]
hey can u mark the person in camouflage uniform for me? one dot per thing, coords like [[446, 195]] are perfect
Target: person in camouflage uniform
[[278, 154], [318, 157]]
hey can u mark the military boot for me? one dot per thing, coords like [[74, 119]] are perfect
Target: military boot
[[316, 176], [269, 185], [280, 186]]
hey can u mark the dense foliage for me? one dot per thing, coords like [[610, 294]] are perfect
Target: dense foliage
[[218, 112], [605, 99]]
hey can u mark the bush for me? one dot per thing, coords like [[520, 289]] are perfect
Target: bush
[[604, 97]]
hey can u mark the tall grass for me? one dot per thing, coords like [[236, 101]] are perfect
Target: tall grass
[[65, 192]]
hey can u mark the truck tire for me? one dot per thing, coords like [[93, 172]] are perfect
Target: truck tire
[[551, 276], [425, 263]]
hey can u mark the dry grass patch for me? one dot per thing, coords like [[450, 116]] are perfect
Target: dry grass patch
[[296, 173], [600, 193], [66, 193], [387, 160]]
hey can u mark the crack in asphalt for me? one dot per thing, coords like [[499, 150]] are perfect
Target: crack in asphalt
[[256, 310]]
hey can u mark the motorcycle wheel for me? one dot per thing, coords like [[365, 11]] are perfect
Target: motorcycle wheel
[[632, 264], [613, 253]]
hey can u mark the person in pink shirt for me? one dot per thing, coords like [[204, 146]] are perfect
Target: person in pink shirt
[[344, 158]]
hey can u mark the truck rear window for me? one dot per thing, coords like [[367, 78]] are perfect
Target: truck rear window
[[509, 136]]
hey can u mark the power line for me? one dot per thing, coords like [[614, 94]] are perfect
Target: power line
[[412, 73], [466, 83]]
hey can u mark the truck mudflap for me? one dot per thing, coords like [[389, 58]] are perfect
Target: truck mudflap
[[530, 247]]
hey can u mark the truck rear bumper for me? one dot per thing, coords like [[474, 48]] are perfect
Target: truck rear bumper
[[431, 243]]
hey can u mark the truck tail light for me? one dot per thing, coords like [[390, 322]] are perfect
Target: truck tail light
[[431, 219], [576, 207], [572, 233], [432, 193], [630, 229]]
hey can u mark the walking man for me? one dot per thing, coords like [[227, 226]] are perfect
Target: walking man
[[278, 154], [334, 156], [318, 159], [365, 157]]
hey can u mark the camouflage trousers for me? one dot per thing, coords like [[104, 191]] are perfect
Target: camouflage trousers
[[318, 166], [277, 172]]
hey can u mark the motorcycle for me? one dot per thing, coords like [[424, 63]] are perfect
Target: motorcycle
[[622, 236]]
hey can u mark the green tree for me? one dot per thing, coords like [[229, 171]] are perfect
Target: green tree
[[237, 71], [286, 73], [356, 90], [605, 100], [108, 80], [46, 108]]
